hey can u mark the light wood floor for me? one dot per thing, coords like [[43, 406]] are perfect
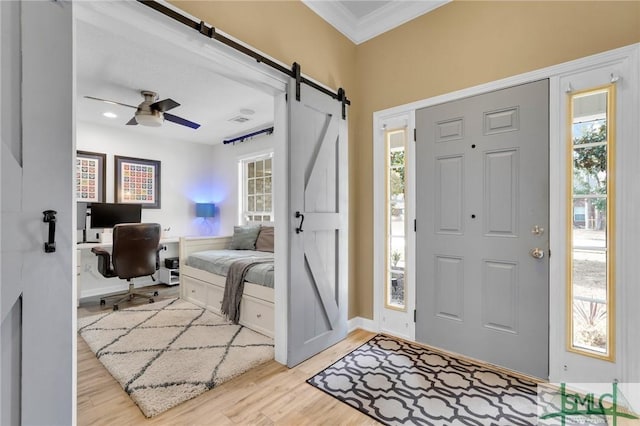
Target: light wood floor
[[268, 394]]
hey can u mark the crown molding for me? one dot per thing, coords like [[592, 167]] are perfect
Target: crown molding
[[381, 20]]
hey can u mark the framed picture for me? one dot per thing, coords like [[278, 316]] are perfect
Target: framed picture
[[137, 181], [91, 176]]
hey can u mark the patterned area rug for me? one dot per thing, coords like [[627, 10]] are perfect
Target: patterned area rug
[[168, 352], [399, 383]]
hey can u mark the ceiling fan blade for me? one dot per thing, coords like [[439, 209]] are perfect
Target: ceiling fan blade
[[180, 120], [164, 105], [132, 122], [110, 102]]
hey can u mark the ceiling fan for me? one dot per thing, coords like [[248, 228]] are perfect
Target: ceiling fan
[[151, 112]]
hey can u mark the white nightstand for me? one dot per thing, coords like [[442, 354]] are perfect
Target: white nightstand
[[169, 276]]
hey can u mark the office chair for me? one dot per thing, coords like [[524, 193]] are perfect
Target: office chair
[[135, 254]]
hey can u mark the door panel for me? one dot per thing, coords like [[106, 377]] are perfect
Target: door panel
[[318, 200], [48, 146], [449, 282], [482, 179], [449, 186], [501, 193]]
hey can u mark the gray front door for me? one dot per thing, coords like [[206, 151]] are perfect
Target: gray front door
[[482, 207], [318, 173]]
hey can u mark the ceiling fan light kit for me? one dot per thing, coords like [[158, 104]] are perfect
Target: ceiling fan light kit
[[148, 118]]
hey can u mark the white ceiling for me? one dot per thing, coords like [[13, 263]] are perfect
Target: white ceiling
[[361, 20], [117, 67]]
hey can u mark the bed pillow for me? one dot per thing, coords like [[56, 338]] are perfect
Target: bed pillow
[[244, 237], [265, 239]]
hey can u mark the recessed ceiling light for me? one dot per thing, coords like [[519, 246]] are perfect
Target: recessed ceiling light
[[109, 114]]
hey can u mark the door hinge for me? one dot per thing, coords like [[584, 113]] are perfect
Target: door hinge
[[415, 225], [414, 315], [415, 134], [549, 252]]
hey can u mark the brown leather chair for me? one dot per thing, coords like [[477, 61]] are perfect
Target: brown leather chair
[[135, 253]]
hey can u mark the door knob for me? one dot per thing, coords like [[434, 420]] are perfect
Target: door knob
[[536, 253]]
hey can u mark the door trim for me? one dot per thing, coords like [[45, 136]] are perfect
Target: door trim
[[627, 57]]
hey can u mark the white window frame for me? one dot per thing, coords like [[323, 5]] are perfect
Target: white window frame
[[243, 178]]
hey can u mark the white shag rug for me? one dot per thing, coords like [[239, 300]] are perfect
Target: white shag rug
[[168, 352]]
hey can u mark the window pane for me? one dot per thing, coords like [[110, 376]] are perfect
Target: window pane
[[251, 167], [251, 203], [259, 168], [590, 131], [267, 167], [590, 170], [251, 187], [267, 203], [590, 324], [395, 296], [267, 185], [590, 222], [266, 218], [259, 203], [259, 186]]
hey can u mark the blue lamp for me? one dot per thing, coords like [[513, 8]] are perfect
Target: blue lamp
[[205, 210]]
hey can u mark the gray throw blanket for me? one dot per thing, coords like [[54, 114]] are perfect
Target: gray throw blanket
[[234, 286]]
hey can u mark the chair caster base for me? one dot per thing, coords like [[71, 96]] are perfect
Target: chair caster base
[[151, 300], [155, 293], [115, 307], [102, 302]]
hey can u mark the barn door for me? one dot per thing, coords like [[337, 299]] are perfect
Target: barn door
[[36, 289], [318, 172]]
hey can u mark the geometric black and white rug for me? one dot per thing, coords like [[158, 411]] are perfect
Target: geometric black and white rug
[[396, 382], [165, 353]]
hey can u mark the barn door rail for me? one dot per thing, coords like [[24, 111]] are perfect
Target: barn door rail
[[210, 32]]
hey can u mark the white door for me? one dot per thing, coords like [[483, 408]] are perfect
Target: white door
[[318, 173], [482, 212], [37, 175]]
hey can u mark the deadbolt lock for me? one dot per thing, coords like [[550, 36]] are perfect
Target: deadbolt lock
[[537, 230]]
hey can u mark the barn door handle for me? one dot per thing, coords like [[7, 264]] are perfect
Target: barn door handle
[[50, 218], [299, 228]]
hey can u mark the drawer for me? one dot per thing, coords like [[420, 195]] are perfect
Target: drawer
[[257, 315], [194, 291], [214, 298]]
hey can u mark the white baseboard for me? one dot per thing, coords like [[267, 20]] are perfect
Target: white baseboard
[[363, 323]]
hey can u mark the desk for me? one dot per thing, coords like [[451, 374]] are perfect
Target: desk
[[89, 246], [92, 283]]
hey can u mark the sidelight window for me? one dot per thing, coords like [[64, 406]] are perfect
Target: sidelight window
[[591, 223], [395, 287]]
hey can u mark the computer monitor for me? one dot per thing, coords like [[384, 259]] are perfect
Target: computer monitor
[[108, 215]]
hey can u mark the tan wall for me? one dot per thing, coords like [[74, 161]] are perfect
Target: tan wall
[[459, 45]]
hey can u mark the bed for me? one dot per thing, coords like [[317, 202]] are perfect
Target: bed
[[203, 263]]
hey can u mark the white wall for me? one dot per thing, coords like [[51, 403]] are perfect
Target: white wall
[[185, 178], [225, 178]]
